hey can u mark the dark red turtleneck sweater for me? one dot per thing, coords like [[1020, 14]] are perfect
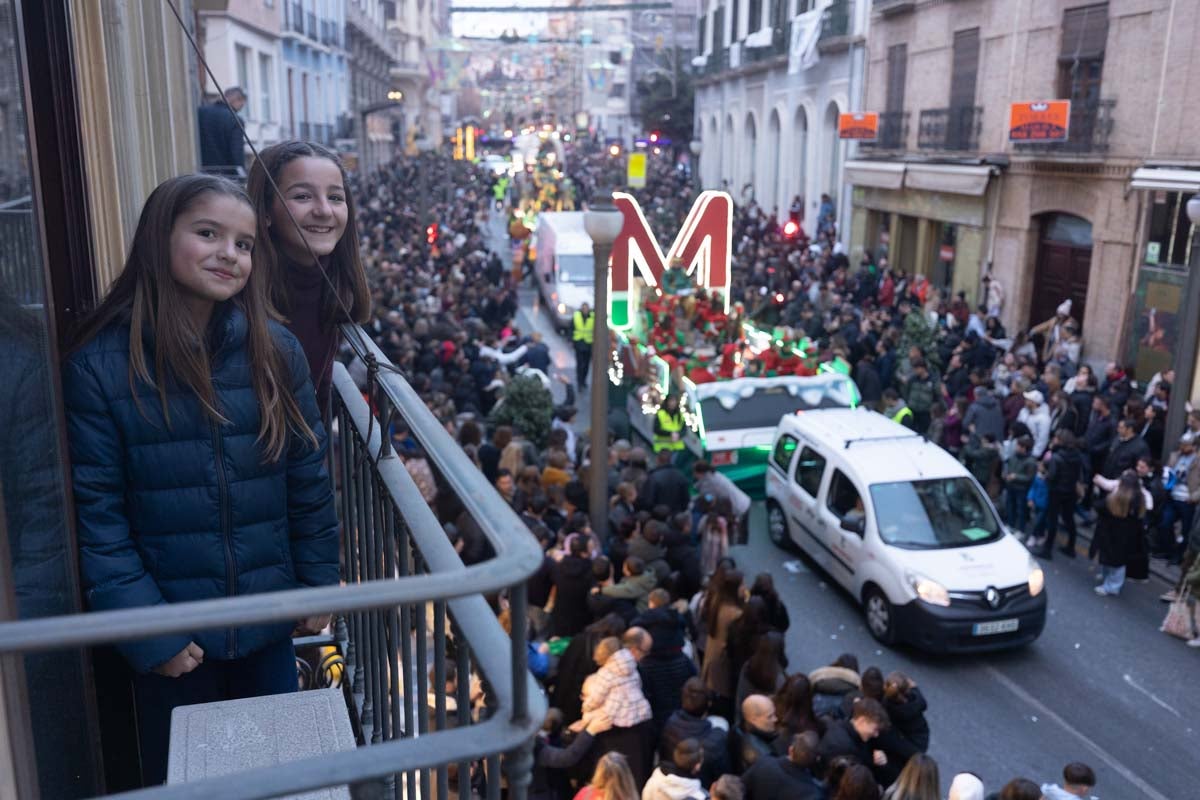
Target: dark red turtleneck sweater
[[306, 288]]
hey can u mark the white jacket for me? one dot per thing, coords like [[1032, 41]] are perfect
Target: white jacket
[[662, 786], [1038, 423]]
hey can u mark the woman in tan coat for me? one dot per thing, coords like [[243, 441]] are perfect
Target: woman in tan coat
[[722, 605]]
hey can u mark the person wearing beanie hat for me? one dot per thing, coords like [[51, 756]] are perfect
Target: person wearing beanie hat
[[965, 786], [1036, 416]]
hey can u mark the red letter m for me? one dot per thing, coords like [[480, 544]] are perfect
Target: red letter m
[[703, 247]]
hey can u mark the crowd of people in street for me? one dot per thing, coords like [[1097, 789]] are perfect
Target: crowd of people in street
[[664, 663]]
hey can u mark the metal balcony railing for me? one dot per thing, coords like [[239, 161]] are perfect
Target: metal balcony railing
[[951, 129], [835, 21], [1090, 128], [405, 590], [893, 131]]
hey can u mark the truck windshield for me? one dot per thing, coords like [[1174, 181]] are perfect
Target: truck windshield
[[933, 514], [576, 269], [763, 407]]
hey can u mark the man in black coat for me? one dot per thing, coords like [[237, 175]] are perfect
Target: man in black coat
[[221, 142], [663, 669], [849, 737], [1125, 450], [665, 485], [1065, 471], [572, 581], [755, 736], [691, 721], [866, 377], [787, 777]]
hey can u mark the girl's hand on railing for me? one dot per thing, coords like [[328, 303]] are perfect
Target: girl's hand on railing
[[183, 662]]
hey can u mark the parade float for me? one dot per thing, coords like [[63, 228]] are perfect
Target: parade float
[[675, 332]]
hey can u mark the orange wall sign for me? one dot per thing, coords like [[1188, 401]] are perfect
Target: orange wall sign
[[861, 125], [1040, 121]]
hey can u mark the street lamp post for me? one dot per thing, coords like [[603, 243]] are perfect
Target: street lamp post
[[696, 146], [603, 222], [1185, 368]]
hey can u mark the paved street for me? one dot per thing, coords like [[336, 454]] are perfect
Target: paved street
[[1101, 685]]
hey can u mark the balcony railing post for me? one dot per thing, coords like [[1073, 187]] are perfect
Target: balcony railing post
[[421, 699], [462, 658], [403, 562], [366, 543], [382, 717], [439, 690], [518, 764]]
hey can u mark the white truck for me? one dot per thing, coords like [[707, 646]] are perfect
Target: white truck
[[564, 269]]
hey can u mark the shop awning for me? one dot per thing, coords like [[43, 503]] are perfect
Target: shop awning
[[951, 178], [880, 174], [1166, 179]]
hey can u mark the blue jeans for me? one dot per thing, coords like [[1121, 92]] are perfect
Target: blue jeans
[[1015, 511], [271, 670], [1114, 579], [1174, 510]]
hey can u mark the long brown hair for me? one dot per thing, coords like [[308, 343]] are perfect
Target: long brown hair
[[146, 296], [1126, 500], [613, 778], [345, 268]]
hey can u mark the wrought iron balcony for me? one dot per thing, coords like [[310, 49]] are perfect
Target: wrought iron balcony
[[893, 131], [952, 129], [405, 593], [1089, 131], [777, 47], [835, 21]]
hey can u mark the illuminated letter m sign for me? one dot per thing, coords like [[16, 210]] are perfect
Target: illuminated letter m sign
[[703, 247]]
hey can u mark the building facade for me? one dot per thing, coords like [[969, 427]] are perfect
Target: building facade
[[316, 81], [242, 48], [773, 76], [375, 115], [412, 32], [944, 192]]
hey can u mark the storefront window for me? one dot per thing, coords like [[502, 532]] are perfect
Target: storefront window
[[1170, 229], [35, 539]]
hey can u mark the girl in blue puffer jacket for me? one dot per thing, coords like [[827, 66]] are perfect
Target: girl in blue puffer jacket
[[197, 454]]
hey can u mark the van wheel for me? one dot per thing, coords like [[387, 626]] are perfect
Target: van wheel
[[777, 527], [880, 616]]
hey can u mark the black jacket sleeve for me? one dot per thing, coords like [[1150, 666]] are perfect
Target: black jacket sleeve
[[563, 757]]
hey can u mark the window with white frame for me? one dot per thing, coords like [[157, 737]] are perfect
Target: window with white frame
[[242, 60], [265, 83]]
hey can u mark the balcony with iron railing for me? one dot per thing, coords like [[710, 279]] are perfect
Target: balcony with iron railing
[[954, 129], [1088, 133], [407, 603], [893, 132], [835, 20]]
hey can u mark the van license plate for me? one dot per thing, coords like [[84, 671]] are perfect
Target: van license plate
[[999, 626]]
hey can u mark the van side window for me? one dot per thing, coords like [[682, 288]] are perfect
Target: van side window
[[843, 498], [809, 470], [784, 449]]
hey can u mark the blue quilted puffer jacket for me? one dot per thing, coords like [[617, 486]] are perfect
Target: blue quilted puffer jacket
[[190, 511]]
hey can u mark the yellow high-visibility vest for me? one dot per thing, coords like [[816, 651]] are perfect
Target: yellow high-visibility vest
[[669, 423], [902, 414], [582, 330]]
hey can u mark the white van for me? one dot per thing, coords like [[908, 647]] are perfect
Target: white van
[[565, 270], [904, 528]]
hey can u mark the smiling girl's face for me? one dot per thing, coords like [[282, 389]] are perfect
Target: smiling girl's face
[[211, 243], [315, 195]]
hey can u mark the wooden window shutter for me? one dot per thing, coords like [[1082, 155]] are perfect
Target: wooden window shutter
[[1085, 32], [897, 73], [965, 68]]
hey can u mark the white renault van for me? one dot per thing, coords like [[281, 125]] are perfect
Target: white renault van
[[906, 529]]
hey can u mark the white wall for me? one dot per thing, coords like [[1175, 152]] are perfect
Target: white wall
[[222, 38]]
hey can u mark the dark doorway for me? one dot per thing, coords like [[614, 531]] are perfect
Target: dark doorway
[[1064, 262]]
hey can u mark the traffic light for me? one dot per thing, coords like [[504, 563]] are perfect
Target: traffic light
[[654, 136], [790, 229], [431, 233]]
